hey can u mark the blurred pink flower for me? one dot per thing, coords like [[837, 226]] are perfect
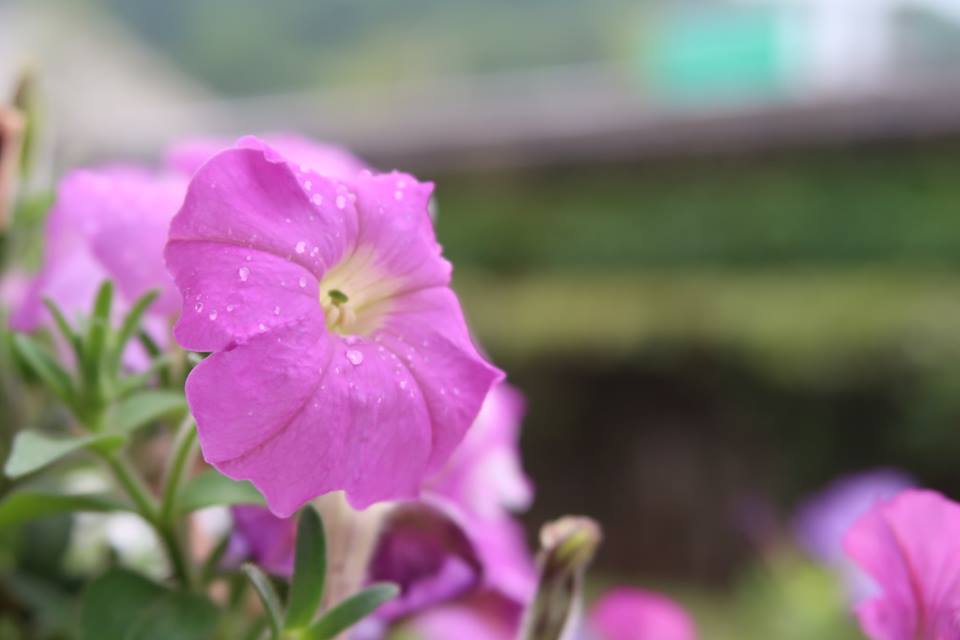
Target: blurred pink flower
[[625, 613], [263, 537], [341, 359], [105, 223], [910, 545]]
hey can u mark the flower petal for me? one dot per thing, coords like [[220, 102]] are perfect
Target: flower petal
[[251, 198], [299, 416], [232, 293], [427, 331], [911, 546]]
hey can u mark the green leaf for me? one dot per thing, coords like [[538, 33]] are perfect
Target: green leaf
[[44, 367], [211, 488], [124, 605], [71, 336], [309, 571], [33, 450], [97, 332], [268, 596], [144, 407], [30, 505], [130, 326], [351, 611]]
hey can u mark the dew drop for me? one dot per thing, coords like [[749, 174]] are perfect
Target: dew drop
[[355, 357], [341, 202], [403, 384], [230, 308], [308, 185], [302, 282], [198, 307], [213, 314], [244, 273], [316, 199], [262, 327], [398, 195], [248, 257], [276, 311], [301, 246]]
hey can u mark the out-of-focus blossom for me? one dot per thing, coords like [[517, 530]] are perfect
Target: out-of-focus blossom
[[910, 546], [260, 536], [821, 522], [625, 613], [105, 223], [341, 359]]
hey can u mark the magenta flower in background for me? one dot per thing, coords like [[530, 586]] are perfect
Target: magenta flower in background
[[487, 615], [105, 223], [626, 613], [821, 522], [910, 546], [263, 537], [341, 359]]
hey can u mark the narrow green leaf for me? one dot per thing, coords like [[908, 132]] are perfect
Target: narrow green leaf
[[30, 505], [33, 450], [97, 332], [144, 407], [125, 605], [130, 327], [44, 367], [309, 571], [67, 331], [351, 611], [212, 488], [268, 596]]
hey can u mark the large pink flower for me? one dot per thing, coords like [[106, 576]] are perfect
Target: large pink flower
[[910, 545], [341, 359]]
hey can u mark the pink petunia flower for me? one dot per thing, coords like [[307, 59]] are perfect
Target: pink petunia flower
[[626, 613], [341, 359], [910, 545]]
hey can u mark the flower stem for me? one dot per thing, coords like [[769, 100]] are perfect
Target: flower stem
[[147, 507], [182, 454]]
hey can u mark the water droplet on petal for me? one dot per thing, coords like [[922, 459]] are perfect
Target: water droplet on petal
[[341, 202], [398, 195], [308, 185], [244, 273], [301, 246], [316, 199], [302, 282], [403, 384], [262, 327], [355, 357], [276, 311], [230, 308], [198, 307], [213, 314]]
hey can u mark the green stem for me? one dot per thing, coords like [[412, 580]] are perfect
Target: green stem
[[147, 507], [183, 451]]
